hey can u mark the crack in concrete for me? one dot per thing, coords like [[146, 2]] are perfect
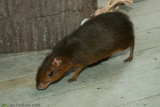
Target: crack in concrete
[[55, 14], [145, 98]]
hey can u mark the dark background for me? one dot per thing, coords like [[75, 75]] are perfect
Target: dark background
[[31, 25]]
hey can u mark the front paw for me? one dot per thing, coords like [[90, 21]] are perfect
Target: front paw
[[128, 59], [71, 80]]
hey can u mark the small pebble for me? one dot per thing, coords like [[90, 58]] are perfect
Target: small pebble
[[155, 59]]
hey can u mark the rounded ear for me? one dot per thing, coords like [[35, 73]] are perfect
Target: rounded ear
[[48, 54], [57, 61]]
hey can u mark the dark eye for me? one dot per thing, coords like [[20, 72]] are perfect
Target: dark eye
[[50, 74]]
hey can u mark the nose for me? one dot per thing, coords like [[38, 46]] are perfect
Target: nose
[[41, 86]]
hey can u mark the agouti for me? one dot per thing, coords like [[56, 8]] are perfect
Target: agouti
[[95, 40]]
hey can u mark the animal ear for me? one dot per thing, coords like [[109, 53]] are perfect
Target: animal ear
[[48, 54], [57, 61]]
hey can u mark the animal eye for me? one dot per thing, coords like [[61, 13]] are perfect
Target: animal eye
[[50, 74]]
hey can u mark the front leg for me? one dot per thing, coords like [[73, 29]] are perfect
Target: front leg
[[76, 73]]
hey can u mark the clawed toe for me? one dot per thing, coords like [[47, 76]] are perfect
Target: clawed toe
[[71, 80], [128, 59]]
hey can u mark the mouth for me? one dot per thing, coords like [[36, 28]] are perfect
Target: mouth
[[42, 85]]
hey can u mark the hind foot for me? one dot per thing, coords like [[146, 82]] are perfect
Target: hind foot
[[129, 59]]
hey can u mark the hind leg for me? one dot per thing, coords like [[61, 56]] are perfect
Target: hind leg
[[129, 59]]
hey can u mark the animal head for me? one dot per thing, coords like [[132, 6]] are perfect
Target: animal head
[[49, 72]]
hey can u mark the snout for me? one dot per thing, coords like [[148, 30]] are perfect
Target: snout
[[42, 85]]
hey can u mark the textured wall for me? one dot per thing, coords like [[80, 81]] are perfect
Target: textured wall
[[29, 25]]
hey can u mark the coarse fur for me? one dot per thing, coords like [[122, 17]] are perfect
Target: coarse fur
[[95, 40]]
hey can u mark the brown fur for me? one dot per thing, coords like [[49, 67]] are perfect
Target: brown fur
[[97, 39]]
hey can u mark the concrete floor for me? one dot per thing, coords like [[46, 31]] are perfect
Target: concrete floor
[[111, 83]]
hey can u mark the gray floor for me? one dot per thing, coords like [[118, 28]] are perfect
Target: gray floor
[[111, 83]]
